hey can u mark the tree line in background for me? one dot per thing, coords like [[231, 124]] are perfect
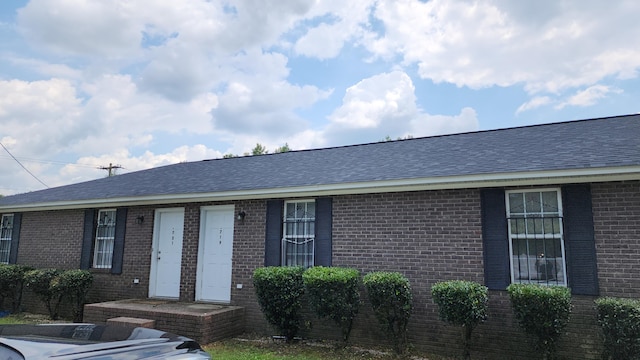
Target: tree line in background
[[260, 149]]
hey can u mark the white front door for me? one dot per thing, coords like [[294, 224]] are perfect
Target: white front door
[[213, 281], [166, 260]]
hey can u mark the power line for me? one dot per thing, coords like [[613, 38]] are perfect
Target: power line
[[25, 169], [41, 161], [111, 168]]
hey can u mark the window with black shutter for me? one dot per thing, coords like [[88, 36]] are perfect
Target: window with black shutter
[[542, 236], [298, 232]]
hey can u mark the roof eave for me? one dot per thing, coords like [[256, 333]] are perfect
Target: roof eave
[[556, 177]]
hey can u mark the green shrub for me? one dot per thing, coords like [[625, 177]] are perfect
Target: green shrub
[[279, 290], [619, 320], [391, 299], [11, 284], [74, 286], [39, 282], [461, 303], [541, 311], [333, 293]]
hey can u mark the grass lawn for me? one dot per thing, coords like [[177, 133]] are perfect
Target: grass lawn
[[234, 349], [24, 318], [265, 348]]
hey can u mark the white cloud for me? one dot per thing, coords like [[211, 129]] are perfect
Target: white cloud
[[264, 108], [47, 69], [40, 114], [92, 28], [534, 103], [385, 105], [588, 96], [427, 125], [493, 43], [341, 22], [259, 100], [371, 101], [46, 119]]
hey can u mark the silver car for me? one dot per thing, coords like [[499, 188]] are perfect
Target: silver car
[[88, 341]]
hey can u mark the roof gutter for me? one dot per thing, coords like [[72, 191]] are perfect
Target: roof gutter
[[553, 177]]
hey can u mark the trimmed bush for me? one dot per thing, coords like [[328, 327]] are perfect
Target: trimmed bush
[[279, 290], [461, 303], [39, 281], [541, 311], [74, 286], [11, 284], [391, 299], [619, 320], [333, 293]]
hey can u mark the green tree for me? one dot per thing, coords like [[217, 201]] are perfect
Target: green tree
[[39, 281], [392, 301], [283, 148], [259, 149], [541, 311], [388, 138], [463, 304], [333, 293], [279, 290]]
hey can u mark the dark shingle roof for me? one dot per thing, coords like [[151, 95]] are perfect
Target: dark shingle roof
[[585, 144]]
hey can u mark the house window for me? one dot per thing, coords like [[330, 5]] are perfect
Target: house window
[[6, 234], [298, 233], [535, 236], [105, 235]]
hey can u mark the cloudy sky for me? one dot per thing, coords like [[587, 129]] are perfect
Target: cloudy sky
[[142, 83]]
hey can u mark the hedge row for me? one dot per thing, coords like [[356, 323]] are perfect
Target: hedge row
[[463, 304], [541, 311], [619, 320], [51, 286], [333, 293]]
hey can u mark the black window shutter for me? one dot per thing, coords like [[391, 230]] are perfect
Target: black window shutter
[[582, 271], [87, 238], [324, 220], [273, 237], [118, 241], [15, 238], [495, 239]]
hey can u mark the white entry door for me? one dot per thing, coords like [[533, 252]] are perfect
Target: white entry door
[[166, 260], [213, 281]]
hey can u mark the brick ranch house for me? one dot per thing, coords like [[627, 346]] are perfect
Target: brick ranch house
[[553, 204]]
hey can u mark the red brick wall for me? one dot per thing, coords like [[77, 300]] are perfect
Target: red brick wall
[[616, 215], [429, 236], [51, 239], [248, 255]]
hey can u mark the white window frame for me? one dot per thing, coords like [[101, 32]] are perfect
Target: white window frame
[[104, 239], [531, 265], [6, 235], [298, 236]]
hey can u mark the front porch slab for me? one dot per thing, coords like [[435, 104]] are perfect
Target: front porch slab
[[202, 322], [134, 322]]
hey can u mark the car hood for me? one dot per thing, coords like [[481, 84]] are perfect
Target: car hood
[[89, 341]]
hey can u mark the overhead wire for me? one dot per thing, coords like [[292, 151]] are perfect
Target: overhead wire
[[24, 167], [49, 161]]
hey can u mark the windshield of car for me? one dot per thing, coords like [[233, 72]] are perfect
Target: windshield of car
[[8, 353]]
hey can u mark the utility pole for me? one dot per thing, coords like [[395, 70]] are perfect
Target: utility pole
[[111, 168]]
